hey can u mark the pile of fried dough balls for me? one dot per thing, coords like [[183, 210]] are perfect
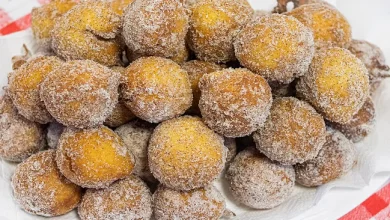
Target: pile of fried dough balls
[[132, 108]]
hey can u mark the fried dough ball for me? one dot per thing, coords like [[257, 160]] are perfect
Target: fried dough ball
[[24, 85], [88, 31], [196, 69], [119, 6], [19, 138], [156, 89], [293, 133], [120, 115], [129, 199], [40, 189], [361, 124], [44, 18], [80, 93], [329, 26], [234, 102], [185, 154], [203, 203], [155, 27], [257, 182], [93, 158], [54, 131], [336, 158], [336, 84], [278, 47], [181, 56], [136, 135], [213, 26], [374, 60]]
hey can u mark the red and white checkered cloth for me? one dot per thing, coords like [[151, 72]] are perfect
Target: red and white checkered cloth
[[15, 16]]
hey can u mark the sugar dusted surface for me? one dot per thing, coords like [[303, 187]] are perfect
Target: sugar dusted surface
[[24, 86], [19, 138], [80, 93], [136, 135], [293, 133], [335, 159], [156, 89], [204, 203], [155, 27], [212, 39], [292, 49], [54, 131], [39, 188], [361, 125], [185, 154], [258, 182], [125, 199], [88, 31], [80, 157], [234, 102], [345, 80]]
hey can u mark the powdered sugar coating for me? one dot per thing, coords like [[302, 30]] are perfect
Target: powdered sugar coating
[[88, 31], [24, 85], [374, 60], [258, 182], [329, 26], [293, 133], [234, 102], [278, 47], [136, 135], [335, 159], [54, 131], [361, 125], [156, 89], [40, 189], [125, 199], [80, 93], [93, 158], [213, 26], [336, 84], [204, 203], [155, 27], [185, 154], [19, 138]]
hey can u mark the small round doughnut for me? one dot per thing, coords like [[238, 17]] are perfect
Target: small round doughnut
[[120, 115], [329, 26], [19, 138], [234, 102], [181, 56], [119, 6], [93, 158], [336, 158], [336, 84], [203, 203], [374, 60], [88, 31], [136, 135], [185, 154], [155, 27], [54, 131], [361, 124], [24, 85], [129, 198], [257, 182], [278, 47], [156, 89], [40, 189], [196, 69], [293, 133], [44, 18], [213, 26], [81, 93]]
